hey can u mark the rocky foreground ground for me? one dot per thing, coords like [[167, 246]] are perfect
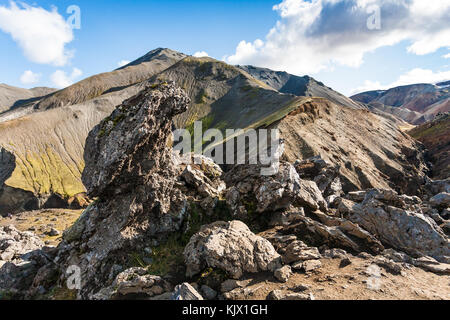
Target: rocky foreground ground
[[163, 229]]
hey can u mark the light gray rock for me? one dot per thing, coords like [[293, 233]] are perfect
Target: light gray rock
[[14, 244], [186, 292], [312, 265], [335, 254], [441, 200], [398, 222], [283, 274], [135, 283], [271, 193], [229, 246], [280, 295], [204, 177], [298, 251]]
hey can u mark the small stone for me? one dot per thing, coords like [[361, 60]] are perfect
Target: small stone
[[208, 293], [300, 288], [345, 262], [283, 274], [185, 292], [280, 295], [298, 265], [231, 284], [53, 232], [335, 254], [311, 265]]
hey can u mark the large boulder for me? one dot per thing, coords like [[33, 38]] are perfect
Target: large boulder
[[270, 193], [231, 247], [398, 221]]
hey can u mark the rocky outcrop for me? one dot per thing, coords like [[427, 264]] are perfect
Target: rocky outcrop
[[249, 190], [231, 247], [398, 221], [129, 168]]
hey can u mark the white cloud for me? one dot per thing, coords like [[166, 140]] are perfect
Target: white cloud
[[413, 76], [41, 34], [122, 63], [369, 86], [29, 77], [60, 79], [447, 56], [200, 54], [314, 35]]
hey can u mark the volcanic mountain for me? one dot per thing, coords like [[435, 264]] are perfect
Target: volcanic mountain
[[416, 103], [43, 141]]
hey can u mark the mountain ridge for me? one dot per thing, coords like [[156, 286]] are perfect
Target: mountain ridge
[[423, 98]]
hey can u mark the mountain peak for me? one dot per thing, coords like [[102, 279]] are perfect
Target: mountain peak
[[163, 53]]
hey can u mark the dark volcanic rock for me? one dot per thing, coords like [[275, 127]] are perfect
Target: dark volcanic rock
[[130, 169]]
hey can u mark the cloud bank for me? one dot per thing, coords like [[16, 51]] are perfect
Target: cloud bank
[[311, 36], [41, 34]]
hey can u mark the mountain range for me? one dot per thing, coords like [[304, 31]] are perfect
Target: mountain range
[[43, 136], [416, 103]]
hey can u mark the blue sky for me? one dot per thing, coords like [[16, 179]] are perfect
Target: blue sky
[[348, 58]]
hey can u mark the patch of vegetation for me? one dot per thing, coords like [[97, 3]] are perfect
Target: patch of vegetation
[[166, 258], [7, 295], [257, 222], [212, 278], [206, 124], [45, 172], [110, 123], [62, 294]]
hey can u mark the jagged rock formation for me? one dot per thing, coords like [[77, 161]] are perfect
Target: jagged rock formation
[[130, 170], [251, 191], [397, 221]]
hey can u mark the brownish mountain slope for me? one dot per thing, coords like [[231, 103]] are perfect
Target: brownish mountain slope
[[11, 97], [152, 63], [435, 135]]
